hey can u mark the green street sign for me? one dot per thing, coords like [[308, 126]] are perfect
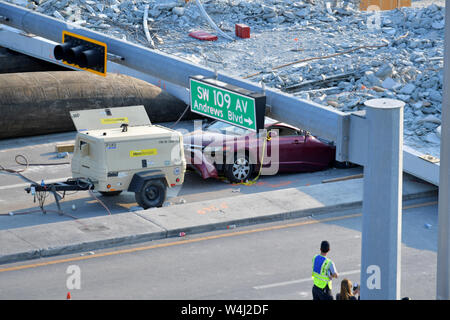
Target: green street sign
[[224, 102]]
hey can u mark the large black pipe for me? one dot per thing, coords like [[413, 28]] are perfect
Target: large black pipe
[[61, 50], [35, 103], [12, 62]]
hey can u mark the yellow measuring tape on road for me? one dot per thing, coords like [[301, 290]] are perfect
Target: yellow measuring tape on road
[[249, 183]]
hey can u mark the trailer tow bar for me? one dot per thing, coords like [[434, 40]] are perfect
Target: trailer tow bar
[[39, 191]]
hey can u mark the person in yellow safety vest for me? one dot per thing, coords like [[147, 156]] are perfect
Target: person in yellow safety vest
[[323, 271]]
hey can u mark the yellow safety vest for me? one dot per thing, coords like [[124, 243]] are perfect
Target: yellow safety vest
[[321, 266]]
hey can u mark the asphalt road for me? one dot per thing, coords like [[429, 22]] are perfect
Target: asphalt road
[[41, 150], [270, 261]]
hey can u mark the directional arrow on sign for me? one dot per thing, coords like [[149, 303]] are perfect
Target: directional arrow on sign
[[248, 121]]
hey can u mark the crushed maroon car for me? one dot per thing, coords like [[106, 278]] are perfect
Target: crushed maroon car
[[237, 153]]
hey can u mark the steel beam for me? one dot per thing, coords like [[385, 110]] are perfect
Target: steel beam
[[415, 164], [443, 252]]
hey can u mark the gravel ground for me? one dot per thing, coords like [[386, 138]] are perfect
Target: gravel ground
[[426, 3]]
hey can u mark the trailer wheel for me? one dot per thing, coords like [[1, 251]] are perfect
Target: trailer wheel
[[152, 194]]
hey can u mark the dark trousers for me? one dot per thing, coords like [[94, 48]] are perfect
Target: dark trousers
[[321, 294]]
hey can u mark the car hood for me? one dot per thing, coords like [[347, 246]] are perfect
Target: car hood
[[206, 138]]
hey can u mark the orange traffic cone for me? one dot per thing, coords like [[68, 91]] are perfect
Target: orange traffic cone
[[68, 296]]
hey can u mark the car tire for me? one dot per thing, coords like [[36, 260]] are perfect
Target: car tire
[[240, 170], [152, 194], [110, 193]]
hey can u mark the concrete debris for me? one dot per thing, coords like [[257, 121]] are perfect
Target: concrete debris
[[408, 88], [408, 68], [390, 84], [438, 132], [384, 71], [430, 118], [179, 11], [90, 253], [377, 89]]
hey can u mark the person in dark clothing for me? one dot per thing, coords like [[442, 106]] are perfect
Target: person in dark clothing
[[346, 291]]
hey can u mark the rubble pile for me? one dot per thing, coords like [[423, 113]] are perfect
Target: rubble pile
[[357, 55]]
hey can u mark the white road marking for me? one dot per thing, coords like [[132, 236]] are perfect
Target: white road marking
[[285, 283]]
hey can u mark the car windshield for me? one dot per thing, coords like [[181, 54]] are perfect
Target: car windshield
[[226, 128]]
